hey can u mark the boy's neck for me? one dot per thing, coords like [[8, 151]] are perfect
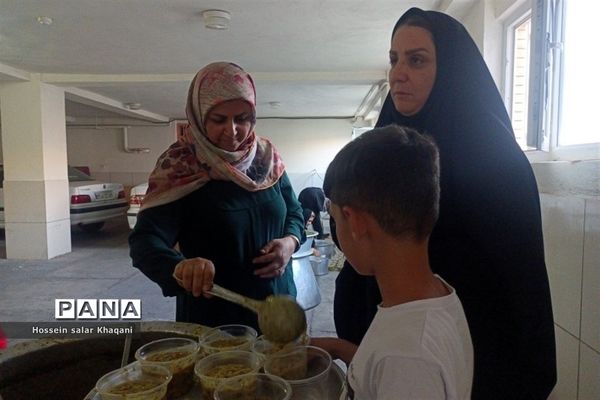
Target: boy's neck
[[403, 274]]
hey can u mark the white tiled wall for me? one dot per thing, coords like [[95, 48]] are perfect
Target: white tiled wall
[[572, 244], [590, 312], [563, 219], [567, 351], [589, 374]]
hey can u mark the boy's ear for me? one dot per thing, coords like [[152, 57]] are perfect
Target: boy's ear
[[357, 221]]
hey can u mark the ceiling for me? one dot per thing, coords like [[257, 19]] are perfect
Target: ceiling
[[313, 58]]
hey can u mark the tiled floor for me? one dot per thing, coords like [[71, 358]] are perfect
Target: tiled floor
[[99, 267]]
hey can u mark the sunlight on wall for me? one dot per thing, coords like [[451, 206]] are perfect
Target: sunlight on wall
[[581, 83]]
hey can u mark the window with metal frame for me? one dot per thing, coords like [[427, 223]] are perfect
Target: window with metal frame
[[551, 78]]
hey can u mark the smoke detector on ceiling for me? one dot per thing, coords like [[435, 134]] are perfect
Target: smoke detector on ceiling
[[43, 20], [216, 19]]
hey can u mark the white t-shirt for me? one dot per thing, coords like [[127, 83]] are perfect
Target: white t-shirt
[[420, 350]]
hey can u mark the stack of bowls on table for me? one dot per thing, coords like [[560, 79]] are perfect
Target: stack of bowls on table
[[166, 369], [226, 363], [215, 368], [227, 352]]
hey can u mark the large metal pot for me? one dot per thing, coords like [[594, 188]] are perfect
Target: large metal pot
[[308, 294]]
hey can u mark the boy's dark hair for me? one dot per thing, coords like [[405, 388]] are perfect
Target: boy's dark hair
[[392, 173]]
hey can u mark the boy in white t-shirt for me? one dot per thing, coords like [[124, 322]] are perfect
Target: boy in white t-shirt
[[383, 191]]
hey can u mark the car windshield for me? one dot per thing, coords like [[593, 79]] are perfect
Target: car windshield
[[76, 175]]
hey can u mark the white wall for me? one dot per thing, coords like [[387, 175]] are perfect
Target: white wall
[[487, 32], [473, 22], [306, 146], [570, 198], [103, 152]]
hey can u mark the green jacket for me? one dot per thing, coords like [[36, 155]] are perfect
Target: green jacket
[[228, 225]]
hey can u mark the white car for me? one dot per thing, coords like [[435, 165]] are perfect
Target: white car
[[136, 197], [91, 202]]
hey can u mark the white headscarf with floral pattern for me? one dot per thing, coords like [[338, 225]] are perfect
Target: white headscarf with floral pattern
[[188, 165]]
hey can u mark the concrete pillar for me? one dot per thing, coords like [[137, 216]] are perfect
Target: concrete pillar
[[36, 188]]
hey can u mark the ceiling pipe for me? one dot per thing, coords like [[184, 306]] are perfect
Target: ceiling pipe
[[131, 149], [373, 99], [360, 110]]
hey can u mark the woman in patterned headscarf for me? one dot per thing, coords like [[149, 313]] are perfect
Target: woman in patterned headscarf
[[223, 195]]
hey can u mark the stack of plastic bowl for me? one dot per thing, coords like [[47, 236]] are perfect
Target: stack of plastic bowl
[[176, 354], [253, 386], [135, 382], [305, 368], [213, 369]]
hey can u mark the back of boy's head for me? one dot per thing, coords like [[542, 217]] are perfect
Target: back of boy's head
[[392, 173]]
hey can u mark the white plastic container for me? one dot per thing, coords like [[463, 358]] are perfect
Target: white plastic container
[[253, 386], [213, 369], [135, 382], [305, 368], [178, 355]]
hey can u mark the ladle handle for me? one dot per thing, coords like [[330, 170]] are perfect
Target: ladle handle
[[126, 350], [254, 305]]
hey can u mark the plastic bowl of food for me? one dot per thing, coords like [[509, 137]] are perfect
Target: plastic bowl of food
[[265, 348], [228, 337], [176, 354], [305, 368], [213, 369], [253, 386], [135, 382]]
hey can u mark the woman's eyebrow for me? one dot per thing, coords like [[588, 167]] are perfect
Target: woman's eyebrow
[[242, 114], [410, 51], [417, 50]]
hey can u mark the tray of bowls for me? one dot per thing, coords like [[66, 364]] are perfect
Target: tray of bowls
[[226, 363]]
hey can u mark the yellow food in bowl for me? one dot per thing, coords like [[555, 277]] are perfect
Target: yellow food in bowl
[[133, 387], [225, 343], [167, 356], [178, 355], [228, 370]]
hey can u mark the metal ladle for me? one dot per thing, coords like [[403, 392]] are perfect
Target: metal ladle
[[280, 318]]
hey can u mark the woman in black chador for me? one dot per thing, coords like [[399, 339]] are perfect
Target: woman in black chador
[[488, 240]]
